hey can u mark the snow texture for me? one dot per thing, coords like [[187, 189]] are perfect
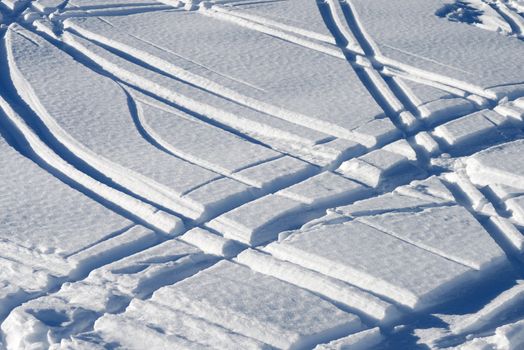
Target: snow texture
[[239, 174]]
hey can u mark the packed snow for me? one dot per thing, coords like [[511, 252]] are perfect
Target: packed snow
[[282, 174]]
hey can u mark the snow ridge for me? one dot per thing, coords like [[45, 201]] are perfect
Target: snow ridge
[[331, 174]]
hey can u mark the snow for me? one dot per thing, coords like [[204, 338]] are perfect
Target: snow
[[355, 299], [146, 320], [276, 173], [43, 214], [506, 337], [403, 148], [270, 129], [373, 260], [509, 232], [293, 16], [14, 5], [309, 107], [238, 174], [361, 340], [200, 143], [421, 93], [449, 231], [50, 230], [510, 336], [516, 207], [250, 223], [426, 143], [375, 167], [414, 197], [512, 111], [472, 195], [94, 137], [47, 6], [143, 212], [435, 112], [432, 189], [454, 53], [501, 304], [51, 320], [500, 164], [326, 188], [390, 202], [105, 3], [211, 243], [255, 305], [471, 129]]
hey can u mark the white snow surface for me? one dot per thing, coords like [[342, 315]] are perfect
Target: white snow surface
[[261, 174]]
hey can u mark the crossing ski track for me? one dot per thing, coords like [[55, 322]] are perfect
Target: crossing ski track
[[249, 215]]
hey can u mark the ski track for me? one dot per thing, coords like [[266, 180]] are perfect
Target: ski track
[[349, 42], [515, 21], [351, 45]]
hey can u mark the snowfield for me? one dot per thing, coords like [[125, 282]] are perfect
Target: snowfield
[[262, 174]]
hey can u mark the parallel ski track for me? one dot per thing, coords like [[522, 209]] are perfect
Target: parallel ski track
[[341, 40]]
